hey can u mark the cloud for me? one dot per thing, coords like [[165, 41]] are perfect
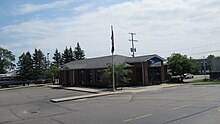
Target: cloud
[[84, 8], [33, 29], [160, 26], [29, 8]]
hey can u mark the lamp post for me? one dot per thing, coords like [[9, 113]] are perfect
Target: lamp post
[[48, 61]]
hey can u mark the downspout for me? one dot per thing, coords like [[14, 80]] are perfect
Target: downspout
[[142, 63], [73, 77]]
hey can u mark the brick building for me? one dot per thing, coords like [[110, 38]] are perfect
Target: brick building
[[146, 70]]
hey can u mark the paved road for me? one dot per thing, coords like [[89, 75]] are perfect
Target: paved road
[[177, 105]]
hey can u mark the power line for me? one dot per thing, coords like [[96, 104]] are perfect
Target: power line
[[213, 51], [188, 48]]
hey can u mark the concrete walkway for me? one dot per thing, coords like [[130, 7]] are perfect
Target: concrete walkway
[[81, 89], [149, 88], [124, 90], [84, 96]]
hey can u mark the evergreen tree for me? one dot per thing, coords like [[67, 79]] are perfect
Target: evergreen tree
[[21, 67], [38, 63], [79, 53], [70, 58], [29, 65], [67, 56], [25, 66], [57, 58]]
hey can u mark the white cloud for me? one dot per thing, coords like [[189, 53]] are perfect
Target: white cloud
[[29, 8], [160, 26], [83, 8]]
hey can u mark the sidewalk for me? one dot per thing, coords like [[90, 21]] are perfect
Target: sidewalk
[[81, 89], [149, 88], [105, 93]]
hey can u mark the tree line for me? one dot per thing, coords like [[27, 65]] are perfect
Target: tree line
[[37, 65]]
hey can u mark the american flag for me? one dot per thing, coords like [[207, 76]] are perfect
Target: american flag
[[112, 38]]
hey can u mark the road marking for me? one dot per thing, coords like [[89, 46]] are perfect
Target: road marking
[[80, 100], [182, 106], [136, 118]]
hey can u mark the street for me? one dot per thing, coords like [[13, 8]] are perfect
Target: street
[[187, 104]]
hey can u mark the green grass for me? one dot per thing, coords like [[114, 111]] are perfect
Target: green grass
[[205, 82]]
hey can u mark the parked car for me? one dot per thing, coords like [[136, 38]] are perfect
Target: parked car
[[188, 76]]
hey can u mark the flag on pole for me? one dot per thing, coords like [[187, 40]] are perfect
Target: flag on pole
[[112, 38]]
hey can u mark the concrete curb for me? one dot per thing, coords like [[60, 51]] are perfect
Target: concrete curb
[[83, 97], [110, 93], [205, 84], [174, 85], [21, 87]]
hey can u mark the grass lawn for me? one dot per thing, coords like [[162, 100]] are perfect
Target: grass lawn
[[205, 82]]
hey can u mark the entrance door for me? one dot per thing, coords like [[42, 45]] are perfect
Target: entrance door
[[139, 77], [154, 75]]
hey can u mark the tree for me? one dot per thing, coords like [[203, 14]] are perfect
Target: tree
[[6, 60], [180, 64], [217, 57], [20, 65], [195, 69], [120, 71], [29, 64], [57, 58], [211, 56], [51, 72], [67, 56], [71, 56], [25, 66], [38, 63], [79, 53]]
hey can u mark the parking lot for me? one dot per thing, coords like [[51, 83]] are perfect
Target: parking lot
[[31, 102], [187, 104]]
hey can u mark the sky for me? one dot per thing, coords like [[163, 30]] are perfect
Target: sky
[[189, 27]]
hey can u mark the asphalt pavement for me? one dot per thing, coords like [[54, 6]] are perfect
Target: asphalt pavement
[[186, 104]]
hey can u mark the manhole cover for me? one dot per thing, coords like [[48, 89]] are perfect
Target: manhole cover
[[33, 111]]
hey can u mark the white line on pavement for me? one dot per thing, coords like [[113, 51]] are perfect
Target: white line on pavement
[[182, 106], [136, 118]]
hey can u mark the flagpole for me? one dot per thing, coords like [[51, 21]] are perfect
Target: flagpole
[[113, 72]]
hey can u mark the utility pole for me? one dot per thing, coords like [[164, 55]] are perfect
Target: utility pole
[[48, 61], [132, 43]]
